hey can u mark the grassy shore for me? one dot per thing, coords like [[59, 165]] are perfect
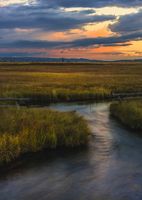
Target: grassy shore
[[129, 113], [68, 81], [33, 129]]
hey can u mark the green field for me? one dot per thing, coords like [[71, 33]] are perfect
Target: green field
[[68, 81], [33, 129], [128, 113]]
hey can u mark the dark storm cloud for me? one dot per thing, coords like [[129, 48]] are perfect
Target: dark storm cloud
[[115, 44], [100, 41], [19, 54], [91, 3], [26, 17], [32, 44], [128, 23], [107, 41]]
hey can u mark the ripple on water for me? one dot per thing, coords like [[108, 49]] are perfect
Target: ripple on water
[[109, 169]]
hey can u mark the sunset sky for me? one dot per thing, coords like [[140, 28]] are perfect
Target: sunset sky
[[94, 29]]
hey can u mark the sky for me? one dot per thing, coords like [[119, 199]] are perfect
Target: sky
[[94, 29]]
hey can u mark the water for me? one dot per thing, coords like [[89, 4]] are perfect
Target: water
[[109, 169]]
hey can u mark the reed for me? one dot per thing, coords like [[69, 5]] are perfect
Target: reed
[[33, 129], [68, 82], [129, 113]]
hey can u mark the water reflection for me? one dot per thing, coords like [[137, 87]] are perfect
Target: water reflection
[[108, 169]]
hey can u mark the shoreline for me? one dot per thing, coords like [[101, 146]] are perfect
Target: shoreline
[[128, 114], [46, 153], [23, 101]]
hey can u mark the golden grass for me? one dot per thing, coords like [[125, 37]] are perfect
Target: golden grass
[[33, 129], [59, 82], [129, 113]]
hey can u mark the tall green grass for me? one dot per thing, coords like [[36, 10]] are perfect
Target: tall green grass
[[33, 129], [129, 113]]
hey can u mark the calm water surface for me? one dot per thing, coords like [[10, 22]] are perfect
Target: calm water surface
[[109, 169]]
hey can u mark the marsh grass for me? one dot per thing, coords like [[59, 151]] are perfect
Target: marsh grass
[[68, 82], [129, 113], [33, 129]]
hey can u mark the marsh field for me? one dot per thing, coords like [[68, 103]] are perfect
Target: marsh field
[[69, 81], [27, 130], [57, 82], [128, 113], [64, 146]]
